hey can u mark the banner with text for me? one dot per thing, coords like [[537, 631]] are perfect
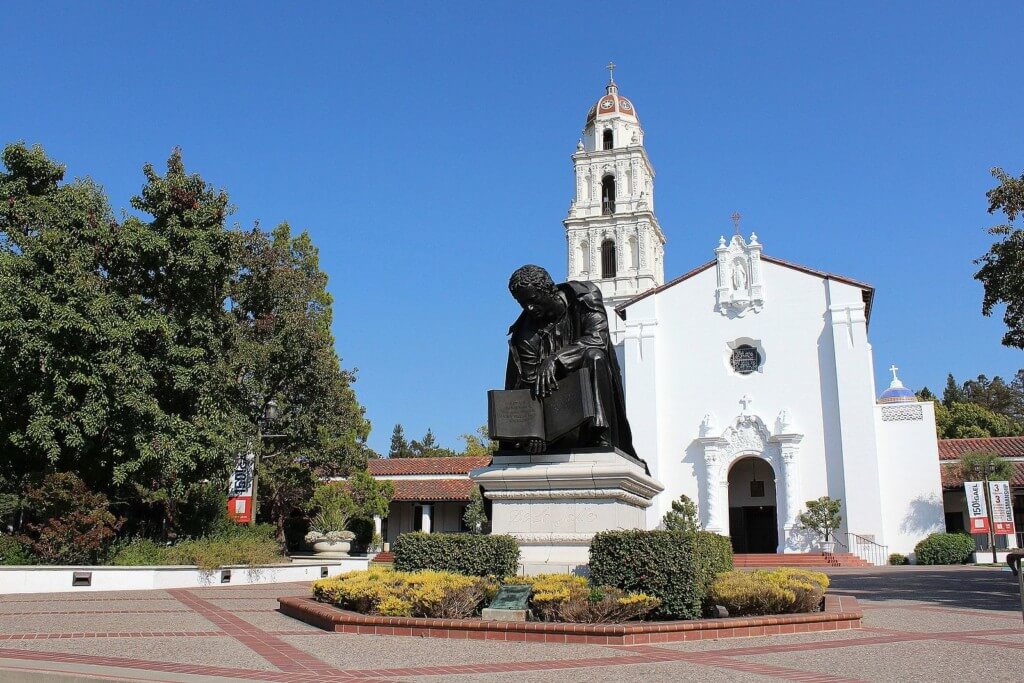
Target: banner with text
[[1002, 507], [240, 489], [976, 507]]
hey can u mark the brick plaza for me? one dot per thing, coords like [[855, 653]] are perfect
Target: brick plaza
[[938, 624]]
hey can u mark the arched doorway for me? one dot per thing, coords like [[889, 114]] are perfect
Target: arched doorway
[[753, 519]]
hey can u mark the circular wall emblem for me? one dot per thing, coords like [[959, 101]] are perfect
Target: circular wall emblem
[[607, 104], [625, 105], [745, 359]]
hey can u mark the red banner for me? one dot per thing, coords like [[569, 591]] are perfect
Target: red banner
[[240, 509]]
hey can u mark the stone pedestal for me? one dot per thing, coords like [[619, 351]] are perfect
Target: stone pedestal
[[554, 503]]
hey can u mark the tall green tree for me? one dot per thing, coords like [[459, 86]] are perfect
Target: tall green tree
[[428, 447], [952, 393], [73, 383], [399, 444], [140, 353], [1002, 267], [970, 420], [286, 353], [179, 266]]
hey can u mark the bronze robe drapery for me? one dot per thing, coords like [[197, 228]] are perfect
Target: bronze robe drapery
[[578, 339]]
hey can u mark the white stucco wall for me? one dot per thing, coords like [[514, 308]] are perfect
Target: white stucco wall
[[817, 366], [911, 491]]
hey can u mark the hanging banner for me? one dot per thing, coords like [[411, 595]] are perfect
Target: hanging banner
[[976, 508], [1002, 507], [240, 489]]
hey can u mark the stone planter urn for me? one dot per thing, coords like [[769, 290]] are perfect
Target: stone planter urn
[[827, 546], [327, 548], [330, 544]]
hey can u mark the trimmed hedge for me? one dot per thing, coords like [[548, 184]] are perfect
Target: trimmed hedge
[[440, 595], [944, 549], [469, 554], [676, 567], [782, 591]]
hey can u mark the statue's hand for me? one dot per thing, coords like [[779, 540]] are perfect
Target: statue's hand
[[545, 384], [536, 446]]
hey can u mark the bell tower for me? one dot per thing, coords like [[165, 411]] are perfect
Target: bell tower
[[613, 237]]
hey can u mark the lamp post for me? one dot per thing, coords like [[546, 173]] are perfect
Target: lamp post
[[268, 417], [983, 472]]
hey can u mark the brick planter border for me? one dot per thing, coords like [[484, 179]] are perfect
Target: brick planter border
[[841, 612]]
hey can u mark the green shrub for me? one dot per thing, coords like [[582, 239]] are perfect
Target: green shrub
[[440, 595], [138, 552], [214, 552], [14, 551], [470, 554], [675, 567], [783, 591], [944, 548], [898, 559]]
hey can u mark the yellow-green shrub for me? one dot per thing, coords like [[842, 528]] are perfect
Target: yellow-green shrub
[[782, 591], [564, 597], [441, 595]]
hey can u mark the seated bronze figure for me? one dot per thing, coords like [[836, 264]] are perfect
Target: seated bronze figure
[[562, 330]]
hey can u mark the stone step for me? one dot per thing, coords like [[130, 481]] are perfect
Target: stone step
[[386, 557], [798, 560]]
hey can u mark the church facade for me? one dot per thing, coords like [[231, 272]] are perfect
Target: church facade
[[749, 380]]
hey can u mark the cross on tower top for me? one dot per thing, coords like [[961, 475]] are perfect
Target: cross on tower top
[[736, 221], [746, 401], [893, 369], [611, 73]]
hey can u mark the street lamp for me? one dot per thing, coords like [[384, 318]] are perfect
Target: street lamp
[[984, 471], [268, 418]]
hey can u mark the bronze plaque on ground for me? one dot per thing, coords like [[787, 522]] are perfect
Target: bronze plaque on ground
[[512, 596]]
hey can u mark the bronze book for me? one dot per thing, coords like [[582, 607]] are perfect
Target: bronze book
[[512, 414]]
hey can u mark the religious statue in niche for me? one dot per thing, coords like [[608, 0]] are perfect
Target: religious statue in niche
[[739, 276], [563, 386], [740, 282]]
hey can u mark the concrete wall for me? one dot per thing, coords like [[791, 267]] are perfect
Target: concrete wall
[[60, 579]]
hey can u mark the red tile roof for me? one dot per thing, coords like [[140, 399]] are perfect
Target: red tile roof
[[392, 466], [951, 478], [952, 449], [432, 489]]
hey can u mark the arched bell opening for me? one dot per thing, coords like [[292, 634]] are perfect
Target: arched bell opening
[[753, 514], [608, 259], [608, 195]]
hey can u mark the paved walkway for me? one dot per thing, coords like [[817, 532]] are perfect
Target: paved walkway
[[957, 624]]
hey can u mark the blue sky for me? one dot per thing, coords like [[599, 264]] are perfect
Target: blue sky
[[426, 147]]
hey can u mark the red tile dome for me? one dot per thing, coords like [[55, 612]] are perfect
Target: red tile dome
[[612, 104]]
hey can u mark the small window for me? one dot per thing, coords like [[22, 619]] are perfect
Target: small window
[[608, 195], [608, 259], [609, 141]]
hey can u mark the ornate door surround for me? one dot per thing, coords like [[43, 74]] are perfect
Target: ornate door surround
[[747, 436]]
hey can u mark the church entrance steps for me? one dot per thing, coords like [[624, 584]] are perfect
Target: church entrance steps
[[809, 560]]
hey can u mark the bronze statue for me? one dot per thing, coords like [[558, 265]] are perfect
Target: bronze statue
[[564, 330]]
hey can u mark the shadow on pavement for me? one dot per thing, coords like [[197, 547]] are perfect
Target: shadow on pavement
[[948, 587]]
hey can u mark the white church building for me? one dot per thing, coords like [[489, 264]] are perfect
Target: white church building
[[749, 380]]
